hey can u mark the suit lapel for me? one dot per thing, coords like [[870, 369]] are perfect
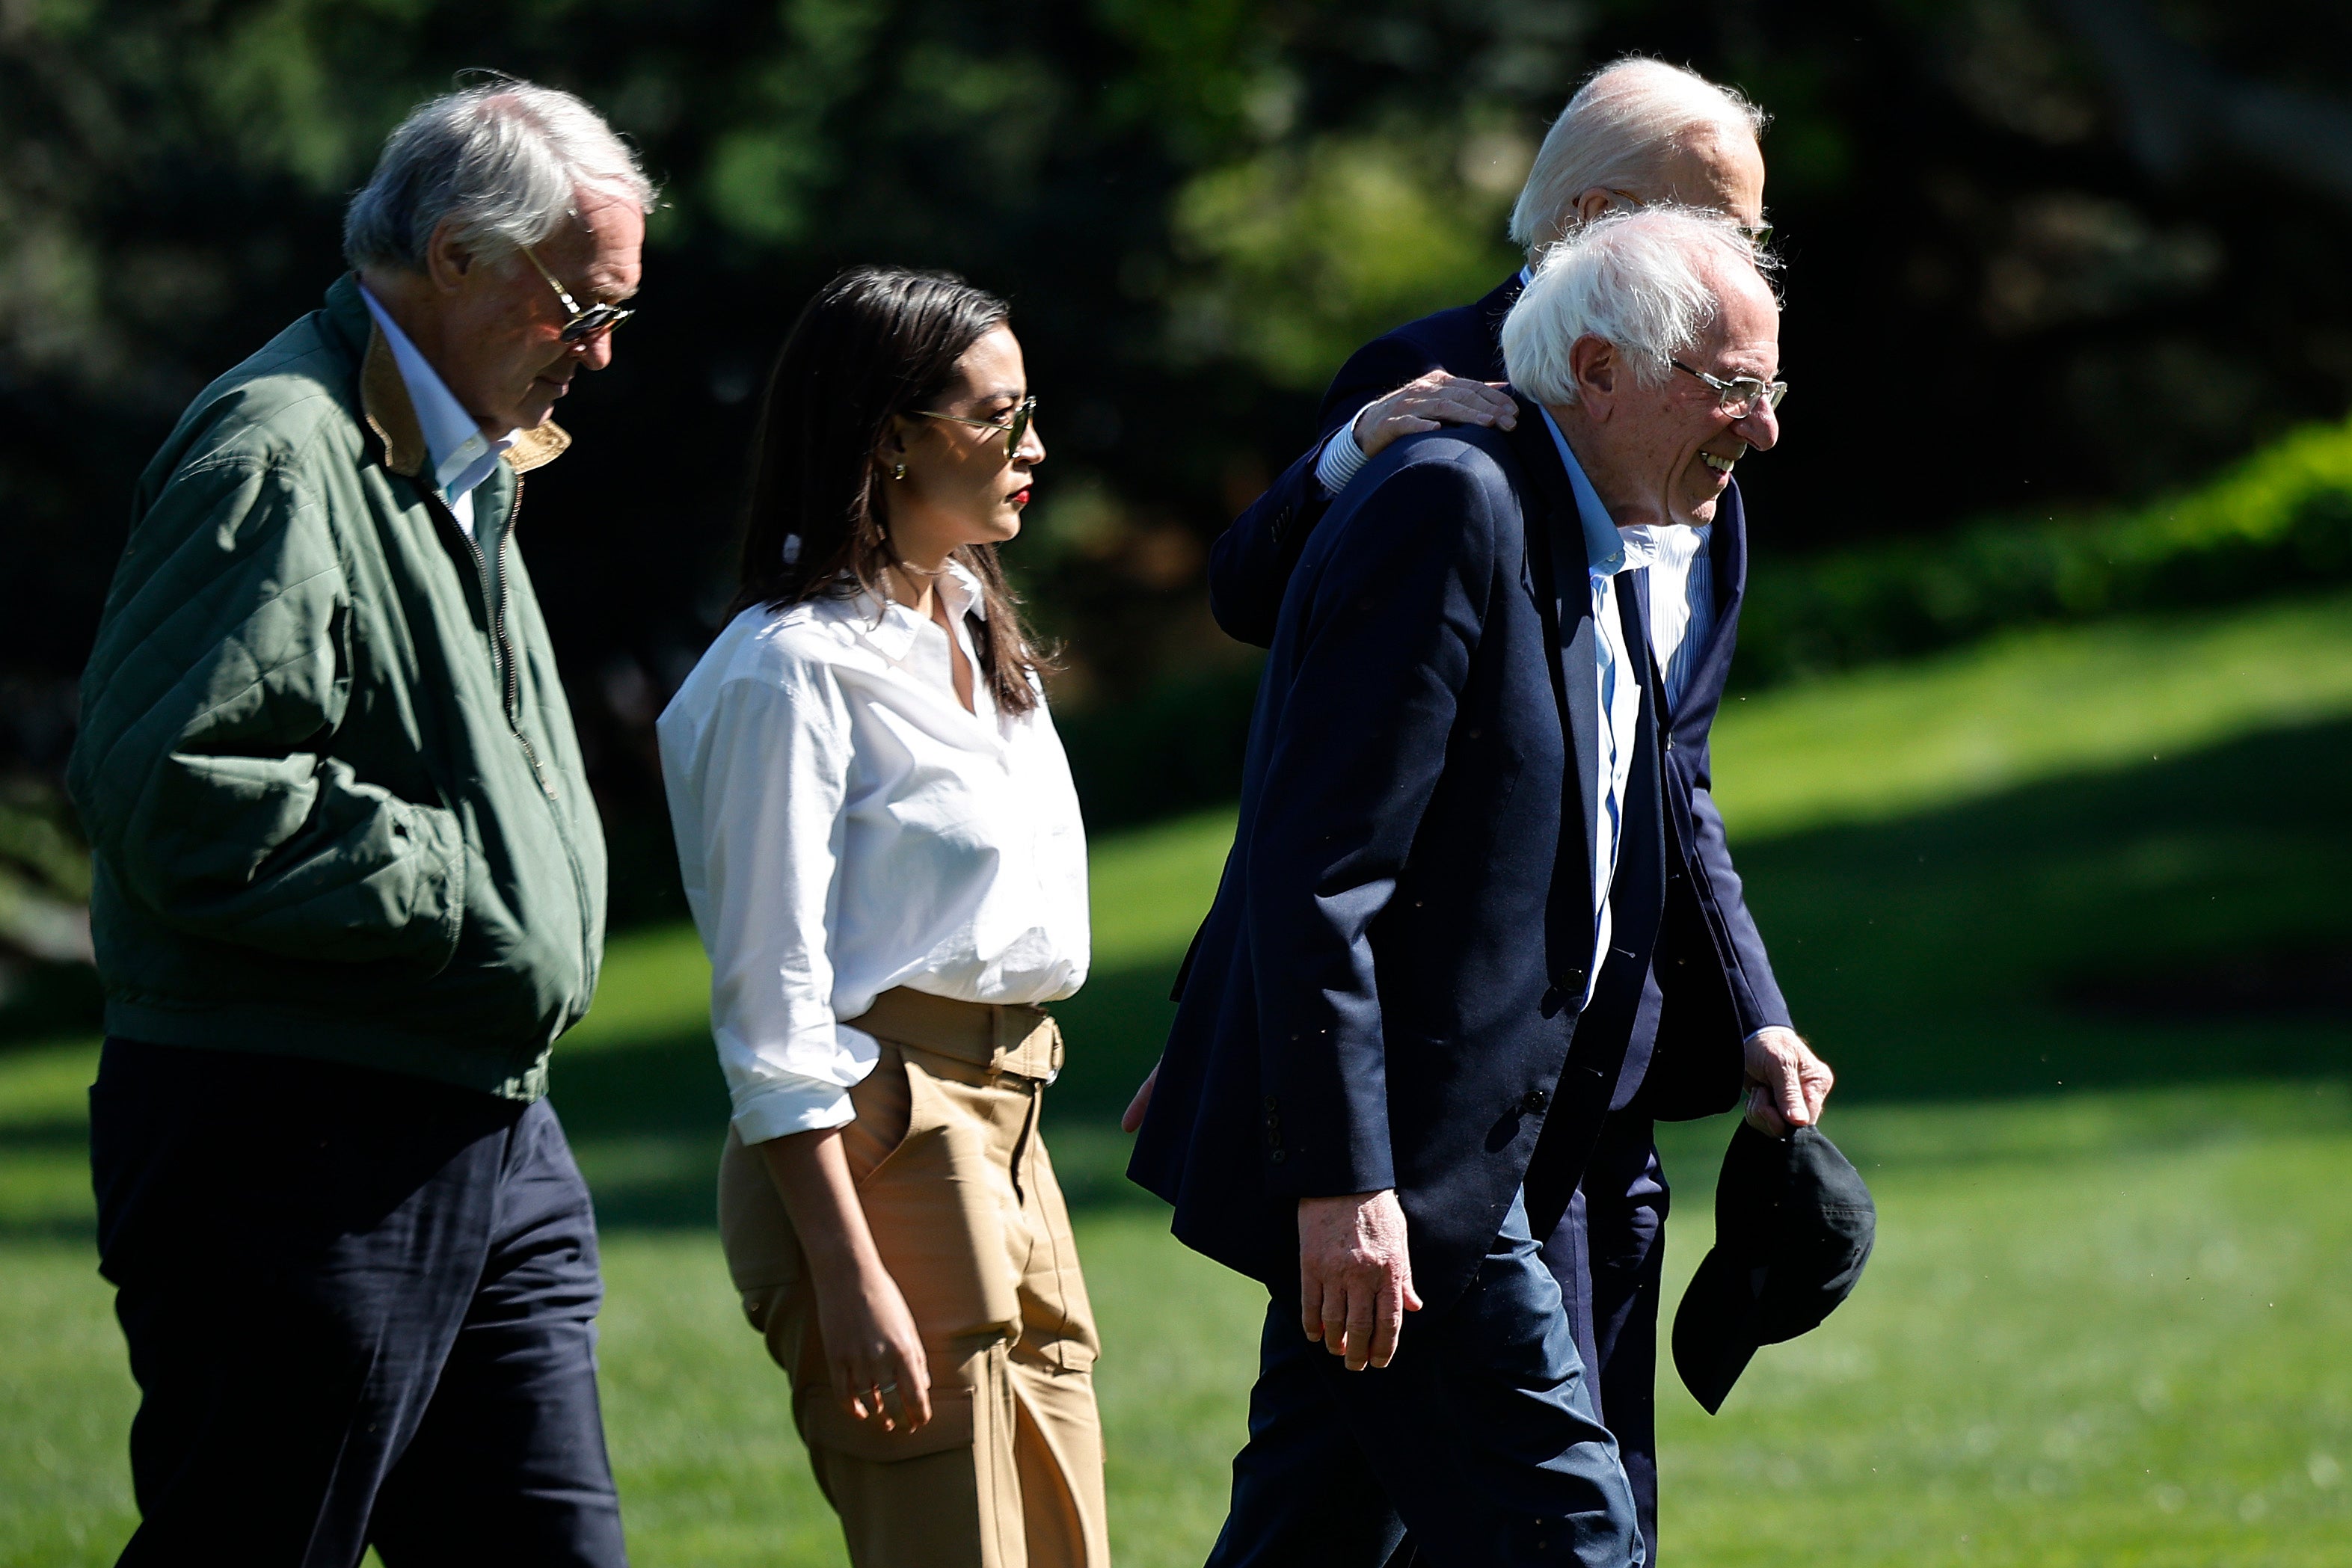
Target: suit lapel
[[1654, 679], [1639, 890], [1569, 600]]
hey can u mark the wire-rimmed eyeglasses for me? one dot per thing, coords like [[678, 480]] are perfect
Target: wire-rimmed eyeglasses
[[1014, 425], [1739, 396], [583, 321]]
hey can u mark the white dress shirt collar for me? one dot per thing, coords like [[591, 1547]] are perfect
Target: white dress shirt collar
[[923, 648], [1670, 545], [461, 456], [892, 627]]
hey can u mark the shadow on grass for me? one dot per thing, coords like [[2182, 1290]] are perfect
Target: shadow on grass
[[1946, 956], [1981, 951], [1936, 959], [1932, 959], [61, 1135]]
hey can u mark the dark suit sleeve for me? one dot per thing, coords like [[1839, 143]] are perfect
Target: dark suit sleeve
[[1755, 994], [1385, 645], [1251, 563]]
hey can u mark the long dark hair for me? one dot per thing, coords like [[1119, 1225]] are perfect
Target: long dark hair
[[876, 343]]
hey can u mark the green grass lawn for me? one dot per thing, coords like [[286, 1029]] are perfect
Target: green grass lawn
[[2044, 904]]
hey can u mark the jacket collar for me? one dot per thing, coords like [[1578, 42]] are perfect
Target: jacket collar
[[1491, 311], [385, 404]]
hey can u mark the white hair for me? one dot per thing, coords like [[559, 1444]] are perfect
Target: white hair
[[507, 160], [1640, 281], [1623, 123]]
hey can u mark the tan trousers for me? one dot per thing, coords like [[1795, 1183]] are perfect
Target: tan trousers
[[969, 1219]]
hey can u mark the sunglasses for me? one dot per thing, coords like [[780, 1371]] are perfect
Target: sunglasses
[[581, 321], [1015, 426]]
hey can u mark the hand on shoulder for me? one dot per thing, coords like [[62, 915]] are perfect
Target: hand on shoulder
[[1438, 399]]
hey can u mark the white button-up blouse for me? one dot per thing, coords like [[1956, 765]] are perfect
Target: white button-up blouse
[[844, 826]]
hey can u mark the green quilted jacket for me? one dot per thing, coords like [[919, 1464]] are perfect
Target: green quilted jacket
[[333, 797]]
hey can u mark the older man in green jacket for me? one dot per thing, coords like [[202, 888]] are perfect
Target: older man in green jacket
[[349, 887]]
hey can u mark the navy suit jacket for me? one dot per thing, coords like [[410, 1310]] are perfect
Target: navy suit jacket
[[1386, 992], [1713, 984]]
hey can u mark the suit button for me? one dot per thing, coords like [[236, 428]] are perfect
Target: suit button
[[1533, 1100], [1276, 1156], [1270, 1102]]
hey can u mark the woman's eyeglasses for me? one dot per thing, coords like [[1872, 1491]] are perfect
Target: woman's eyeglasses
[[583, 321], [1015, 426]]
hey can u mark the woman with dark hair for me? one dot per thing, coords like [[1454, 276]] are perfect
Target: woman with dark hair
[[883, 853]]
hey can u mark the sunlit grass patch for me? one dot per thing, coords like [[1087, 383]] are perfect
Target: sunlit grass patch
[[2105, 1324]]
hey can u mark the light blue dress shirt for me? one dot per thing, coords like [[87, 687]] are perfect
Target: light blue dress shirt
[[461, 456], [1619, 689]]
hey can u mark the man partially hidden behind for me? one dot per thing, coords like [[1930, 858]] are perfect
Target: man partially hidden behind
[[350, 888], [1710, 1019], [1406, 1017]]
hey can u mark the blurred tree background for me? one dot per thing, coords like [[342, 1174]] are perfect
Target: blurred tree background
[[2048, 258], [2071, 346]]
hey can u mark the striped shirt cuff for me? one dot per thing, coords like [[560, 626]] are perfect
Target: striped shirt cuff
[[1341, 456]]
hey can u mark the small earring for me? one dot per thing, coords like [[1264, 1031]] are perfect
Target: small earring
[[897, 471]]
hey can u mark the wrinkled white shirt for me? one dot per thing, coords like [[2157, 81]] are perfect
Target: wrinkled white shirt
[[1681, 598], [844, 826]]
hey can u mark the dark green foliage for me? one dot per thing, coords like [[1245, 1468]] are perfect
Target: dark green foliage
[[2000, 300], [2278, 522], [1175, 746]]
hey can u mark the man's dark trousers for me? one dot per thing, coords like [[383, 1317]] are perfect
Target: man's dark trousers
[[1607, 1254], [361, 1309], [1479, 1437]]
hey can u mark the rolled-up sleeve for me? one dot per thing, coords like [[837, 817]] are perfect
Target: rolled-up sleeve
[[759, 810]]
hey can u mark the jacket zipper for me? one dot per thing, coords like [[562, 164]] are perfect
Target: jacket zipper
[[502, 655], [501, 650], [514, 721]]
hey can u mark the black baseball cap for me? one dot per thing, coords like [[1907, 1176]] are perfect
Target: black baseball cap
[[1793, 1226]]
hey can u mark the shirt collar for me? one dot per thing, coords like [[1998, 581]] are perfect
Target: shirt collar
[[462, 456], [1669, 544], [1604, 547], [892, 627], [962, 590]]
